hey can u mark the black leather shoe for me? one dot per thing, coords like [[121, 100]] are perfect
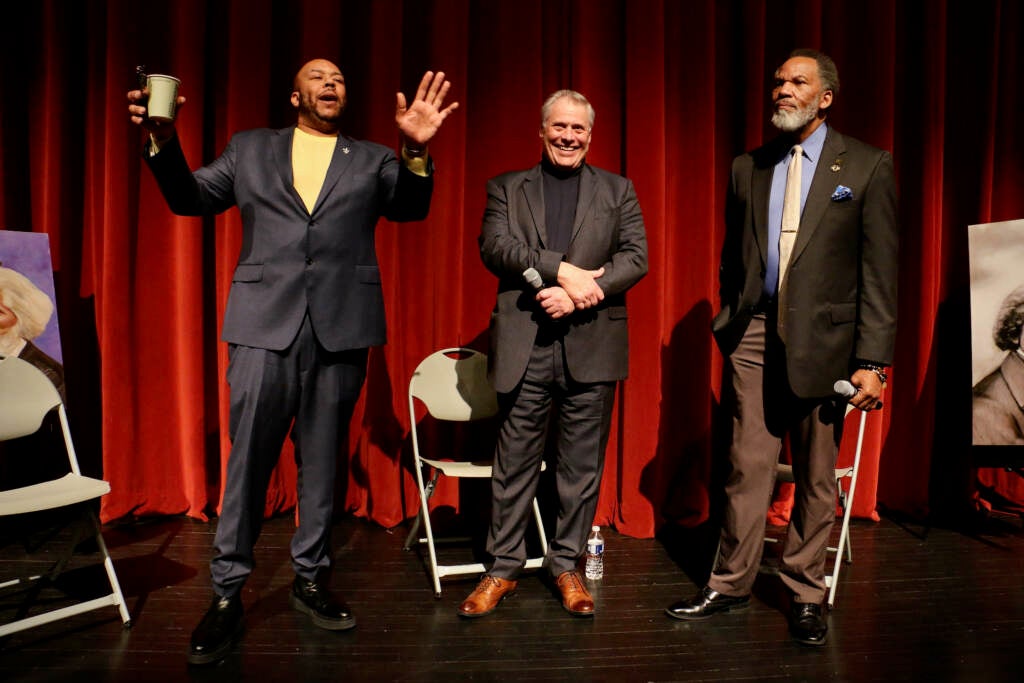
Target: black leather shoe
[[806, 624], [217, 631], [315, 600], [706, 604]]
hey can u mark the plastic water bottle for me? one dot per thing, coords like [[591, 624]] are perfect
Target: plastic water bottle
[[595, 554]]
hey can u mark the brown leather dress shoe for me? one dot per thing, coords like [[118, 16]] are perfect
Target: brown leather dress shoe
[[575, 597], [489, 592]]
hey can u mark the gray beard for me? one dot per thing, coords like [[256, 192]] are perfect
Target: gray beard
[[792, 121]]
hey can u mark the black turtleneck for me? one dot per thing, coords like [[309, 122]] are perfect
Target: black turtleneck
[[561, 190]]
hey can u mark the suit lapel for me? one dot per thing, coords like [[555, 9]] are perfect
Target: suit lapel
[[533, 192], [761, 185], [282, 146], [820, 193], [340, 162], [760, 189], [587, 192]]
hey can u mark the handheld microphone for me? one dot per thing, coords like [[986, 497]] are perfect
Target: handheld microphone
[[533, 278], [845, 389]]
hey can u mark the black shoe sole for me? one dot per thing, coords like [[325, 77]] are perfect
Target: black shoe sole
[[319, 620], [738, 607], [203, 658], [810, 643]]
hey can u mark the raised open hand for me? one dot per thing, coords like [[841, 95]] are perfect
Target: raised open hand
[[420, 121]]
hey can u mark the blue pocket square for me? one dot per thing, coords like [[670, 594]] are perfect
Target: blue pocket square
[[842, 193]]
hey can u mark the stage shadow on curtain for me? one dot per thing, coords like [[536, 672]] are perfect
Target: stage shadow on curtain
[[951, 477], [381, 425], [682, 481]]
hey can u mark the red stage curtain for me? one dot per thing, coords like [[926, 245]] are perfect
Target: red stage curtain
[[679, 88]]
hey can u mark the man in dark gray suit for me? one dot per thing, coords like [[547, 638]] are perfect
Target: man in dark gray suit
[[558, 346], [305, 304], [790, 327]]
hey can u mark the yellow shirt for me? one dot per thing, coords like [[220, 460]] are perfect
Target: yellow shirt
[[311, 156]]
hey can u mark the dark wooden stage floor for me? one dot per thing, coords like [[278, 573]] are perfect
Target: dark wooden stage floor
[[918, 604]]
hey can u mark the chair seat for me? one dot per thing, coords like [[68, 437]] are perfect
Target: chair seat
[[785, 472], [453, 468], [68, 490], [477, 469]]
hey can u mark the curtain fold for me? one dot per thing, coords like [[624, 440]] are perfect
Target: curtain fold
[[679, 89]]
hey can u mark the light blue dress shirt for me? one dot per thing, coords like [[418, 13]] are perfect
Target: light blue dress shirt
[[812, 152]]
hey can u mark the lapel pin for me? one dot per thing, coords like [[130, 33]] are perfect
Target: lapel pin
[[836, 165], [344, 150]]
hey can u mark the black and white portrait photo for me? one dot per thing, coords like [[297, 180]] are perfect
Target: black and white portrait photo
[[997, 316]]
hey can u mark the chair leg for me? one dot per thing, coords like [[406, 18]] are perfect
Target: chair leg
[[425, 493], [413, 532], [428, 492], [844, 533], [844, 545], [83, 517], [540, 528], [108, 566]]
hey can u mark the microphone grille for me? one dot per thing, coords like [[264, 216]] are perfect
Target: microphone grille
[[843, 388], [533, 278]]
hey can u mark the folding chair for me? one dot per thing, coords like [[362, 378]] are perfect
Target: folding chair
[[26, 397], [785, 473], [452, 384]]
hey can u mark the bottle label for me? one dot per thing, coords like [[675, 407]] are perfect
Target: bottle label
[[595, 548]]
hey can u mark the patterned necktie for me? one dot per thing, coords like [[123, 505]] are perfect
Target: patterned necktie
[[790, 225]]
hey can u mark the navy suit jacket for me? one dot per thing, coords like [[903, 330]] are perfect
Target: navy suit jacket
[[608, 230], [293, 260], [841, 295]]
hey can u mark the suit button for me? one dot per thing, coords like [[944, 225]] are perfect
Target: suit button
[[309, 261]]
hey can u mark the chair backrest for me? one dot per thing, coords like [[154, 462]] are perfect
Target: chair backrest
[[26, 396], [452, 383]]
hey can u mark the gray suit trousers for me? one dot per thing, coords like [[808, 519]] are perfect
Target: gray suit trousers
[[316, 389], [583, 418]]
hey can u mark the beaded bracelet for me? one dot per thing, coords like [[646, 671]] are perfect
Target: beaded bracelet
[[877, 369]]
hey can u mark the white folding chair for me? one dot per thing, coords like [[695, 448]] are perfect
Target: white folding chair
[[452, 384], [26, 397], [785, 473]]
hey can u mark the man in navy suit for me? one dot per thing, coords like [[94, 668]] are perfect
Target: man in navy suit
[[305, 304], [557, 348], [790, 327]]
